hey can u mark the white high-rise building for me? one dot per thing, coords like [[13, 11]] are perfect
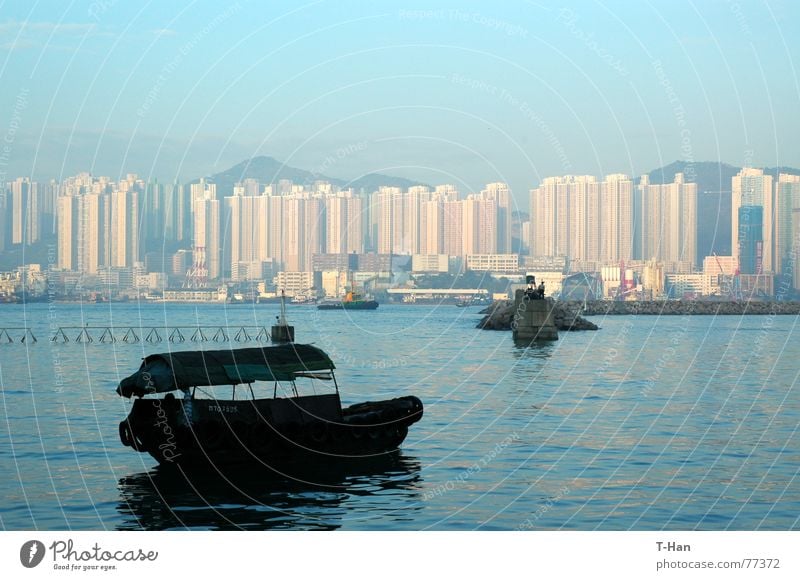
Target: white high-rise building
[[207, 235], [67, 229], [584, 219], [203, 190], [501, 194], [124, 228], [565, 218], [25, 211], [431, 227], [293, 233], [91, 232], [275, 239], [343, 213], [452, 227], [479, 229], [544, 204], [669, 222], [388, 198], [315, 235], [616, 221], [446, 192], [248, 217], [787, 199]]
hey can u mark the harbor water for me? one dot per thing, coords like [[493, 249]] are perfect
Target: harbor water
[[650, 423]]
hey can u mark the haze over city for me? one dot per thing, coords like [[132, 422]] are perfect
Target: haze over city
[[462, 93]]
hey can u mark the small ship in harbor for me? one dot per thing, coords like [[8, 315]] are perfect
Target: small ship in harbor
[[203, 429]]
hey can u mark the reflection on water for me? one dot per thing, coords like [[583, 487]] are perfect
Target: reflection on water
[[533, 348], [301, 497], [650, 423]]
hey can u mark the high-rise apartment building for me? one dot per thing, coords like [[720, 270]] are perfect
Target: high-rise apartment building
[[579, 218], [479, 225], [424, 222], [616, 218], [669, 222], [787, 199], [246, 218], [25, 211], [206, 243], [342, 226], [548, 233], [431, 227], [67, 211], [452, 224], [501, 194], [125, 249]]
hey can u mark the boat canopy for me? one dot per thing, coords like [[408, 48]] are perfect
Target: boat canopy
[[161, 373]]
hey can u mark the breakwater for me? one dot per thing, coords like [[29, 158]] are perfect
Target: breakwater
[[566, 316], [682, 307]]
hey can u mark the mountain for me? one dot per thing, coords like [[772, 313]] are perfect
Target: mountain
[[269, 170]]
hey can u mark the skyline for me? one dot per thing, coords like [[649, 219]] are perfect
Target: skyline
[[241, 231], [458, 93]]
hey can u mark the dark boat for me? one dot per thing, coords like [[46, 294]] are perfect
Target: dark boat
[[351, 301], [197, 431]]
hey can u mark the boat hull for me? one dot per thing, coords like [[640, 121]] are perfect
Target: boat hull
[[364, 305], [203, 432]]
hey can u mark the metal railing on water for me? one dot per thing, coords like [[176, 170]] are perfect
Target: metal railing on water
[[156, 334]]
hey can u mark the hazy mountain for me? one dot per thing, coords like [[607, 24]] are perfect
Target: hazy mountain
[[269, 170]]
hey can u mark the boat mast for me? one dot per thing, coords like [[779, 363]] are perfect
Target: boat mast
[[282, 320], [281, 331]]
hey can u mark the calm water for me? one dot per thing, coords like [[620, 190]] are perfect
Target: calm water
[[649, 423]]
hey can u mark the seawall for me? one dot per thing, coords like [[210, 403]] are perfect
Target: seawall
[[682, 307]]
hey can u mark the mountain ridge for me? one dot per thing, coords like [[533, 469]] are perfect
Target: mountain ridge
[[267, 170]]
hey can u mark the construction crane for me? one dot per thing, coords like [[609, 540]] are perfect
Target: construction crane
[[733, 289], [726, 288]]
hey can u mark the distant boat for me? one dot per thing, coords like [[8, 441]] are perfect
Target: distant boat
[[351, 301], [303, 299]]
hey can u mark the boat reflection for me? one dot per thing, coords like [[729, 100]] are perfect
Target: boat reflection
[[299, 497]]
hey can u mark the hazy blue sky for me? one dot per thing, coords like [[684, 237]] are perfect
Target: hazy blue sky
[[463, 92]]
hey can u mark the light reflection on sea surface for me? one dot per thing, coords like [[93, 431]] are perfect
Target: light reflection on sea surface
[[649, 423]]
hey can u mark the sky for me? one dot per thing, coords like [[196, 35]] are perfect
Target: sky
[[441, 92]]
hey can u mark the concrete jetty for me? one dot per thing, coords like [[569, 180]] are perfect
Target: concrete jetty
[[565, 316], [532, 318]]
